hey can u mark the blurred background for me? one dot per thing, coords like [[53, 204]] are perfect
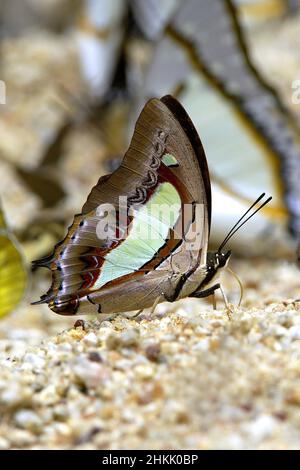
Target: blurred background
[[75, 75]]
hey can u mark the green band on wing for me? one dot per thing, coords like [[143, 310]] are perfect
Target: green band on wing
[[149, 232], [169, 160]]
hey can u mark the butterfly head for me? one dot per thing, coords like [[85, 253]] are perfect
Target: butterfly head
[[217, 260]]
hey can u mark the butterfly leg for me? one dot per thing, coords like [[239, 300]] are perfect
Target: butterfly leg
[[229, 310], [205, 293], [109, 317], [214, 301], [157, 301], [211, 291], [130, 317]]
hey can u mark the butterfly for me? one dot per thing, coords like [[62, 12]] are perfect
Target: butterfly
[[203, 60], [13, 272], [152, 16], [154, 247]]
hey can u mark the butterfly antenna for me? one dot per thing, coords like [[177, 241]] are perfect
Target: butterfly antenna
[[241, 222], [240, 219]]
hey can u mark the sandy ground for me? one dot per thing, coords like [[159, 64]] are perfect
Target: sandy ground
[[185, 378]]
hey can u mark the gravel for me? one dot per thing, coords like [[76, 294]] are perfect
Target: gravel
[[185, 378]]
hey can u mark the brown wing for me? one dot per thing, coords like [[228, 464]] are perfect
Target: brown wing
[[162, 131]]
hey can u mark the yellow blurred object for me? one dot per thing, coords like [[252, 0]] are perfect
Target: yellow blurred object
[[262, 10], [13, 274]]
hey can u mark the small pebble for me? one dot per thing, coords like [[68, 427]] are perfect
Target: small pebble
[[28, 419], [152, 352], [262, 428], [294, 332], [79, 324], [94, 356], [89, 373], [91, 339], [35, 360]]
